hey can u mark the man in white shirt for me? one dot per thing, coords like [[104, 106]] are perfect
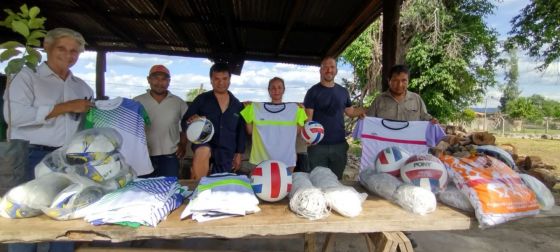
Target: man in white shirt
[[47, 106], [166, 142]]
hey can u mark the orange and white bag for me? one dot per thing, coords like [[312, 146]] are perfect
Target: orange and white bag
[[496, 192]]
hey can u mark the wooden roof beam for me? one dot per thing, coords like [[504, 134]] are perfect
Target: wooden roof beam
[[389, 39], [364, 18], [226, 8], [234, 59], [173, 23], [108, 22], [294, 13]]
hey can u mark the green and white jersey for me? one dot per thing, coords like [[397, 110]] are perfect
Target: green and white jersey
[[274, 131], [128, 117]]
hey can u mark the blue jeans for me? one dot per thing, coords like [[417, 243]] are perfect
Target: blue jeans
[[36, 154], [164, 165]]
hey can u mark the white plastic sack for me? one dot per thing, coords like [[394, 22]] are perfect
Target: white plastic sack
[[544, 196]]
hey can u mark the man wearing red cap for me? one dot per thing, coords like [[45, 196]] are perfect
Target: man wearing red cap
[[166, 142]]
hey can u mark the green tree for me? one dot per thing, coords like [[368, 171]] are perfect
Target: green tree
[[546, 107], [535, 29], [364, 55], [510, 90], [451, 53], [30, 26], [453, 57], [522, 108], [193, 93], [466, 116]]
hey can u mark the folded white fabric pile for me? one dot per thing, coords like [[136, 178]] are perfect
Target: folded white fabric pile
[[220, 196], [141, 202]]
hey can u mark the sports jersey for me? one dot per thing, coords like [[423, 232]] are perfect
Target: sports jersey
[[376, 134], [127, 117], [221, 195], [274, 131], [144, 201]]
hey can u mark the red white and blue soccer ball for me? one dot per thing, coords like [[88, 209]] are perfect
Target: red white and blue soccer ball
[[390, 160], [271, 180], [425, 171], [312, 132]]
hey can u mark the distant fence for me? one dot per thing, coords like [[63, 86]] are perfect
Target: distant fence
[[516, 128]]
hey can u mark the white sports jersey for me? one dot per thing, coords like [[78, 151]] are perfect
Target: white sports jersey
[[127, 117], [274, 131], [376, 134], [143, 201]]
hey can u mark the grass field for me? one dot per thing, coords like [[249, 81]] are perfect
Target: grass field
[[548, 150]]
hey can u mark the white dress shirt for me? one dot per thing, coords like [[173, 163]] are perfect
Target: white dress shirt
[[33, 96]]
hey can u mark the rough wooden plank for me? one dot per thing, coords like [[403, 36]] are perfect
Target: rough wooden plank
[[309, 244], [404, 243], [378, 215], [369, 243], [329, 241]]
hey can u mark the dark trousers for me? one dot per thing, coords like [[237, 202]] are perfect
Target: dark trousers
[[36, 154], [332, 156], [164, 165]]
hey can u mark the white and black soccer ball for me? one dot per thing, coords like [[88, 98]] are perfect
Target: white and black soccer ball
[[200, 131]]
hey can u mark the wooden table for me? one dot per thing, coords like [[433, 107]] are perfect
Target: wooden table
[[378, 216]]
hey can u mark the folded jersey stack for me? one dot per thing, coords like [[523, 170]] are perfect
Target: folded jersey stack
[[141, 202], [221, 196]]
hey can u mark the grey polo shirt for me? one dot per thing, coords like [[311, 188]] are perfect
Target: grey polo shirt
[[412, 108], [165, 117]]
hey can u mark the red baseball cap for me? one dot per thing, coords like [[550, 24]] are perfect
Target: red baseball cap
[[159, 69]]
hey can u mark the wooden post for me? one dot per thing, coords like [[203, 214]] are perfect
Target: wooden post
[[391, 32], [100, 68], [309, 243]]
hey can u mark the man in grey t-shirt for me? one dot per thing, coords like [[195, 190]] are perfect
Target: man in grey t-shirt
[[398, 103]]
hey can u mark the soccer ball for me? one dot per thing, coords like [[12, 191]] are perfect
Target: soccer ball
[[109, 168], [271, 180], [425, 171], [390, 160], [312, 132], [91, 147], [200, 131]]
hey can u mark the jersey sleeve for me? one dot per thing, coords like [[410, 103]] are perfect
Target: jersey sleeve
[[248, 113], [90, 116], [301, 116], [144, 115]]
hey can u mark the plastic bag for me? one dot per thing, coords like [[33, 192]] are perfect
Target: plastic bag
[[455, 198], [544, 196], [26, 200], [92, 146], [72, 198], [495, 191]]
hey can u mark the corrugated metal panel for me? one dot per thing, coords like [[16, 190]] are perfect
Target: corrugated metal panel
[[294, 31]]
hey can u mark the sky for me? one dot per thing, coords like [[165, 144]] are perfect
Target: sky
[[126, 72], [531, 81]]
